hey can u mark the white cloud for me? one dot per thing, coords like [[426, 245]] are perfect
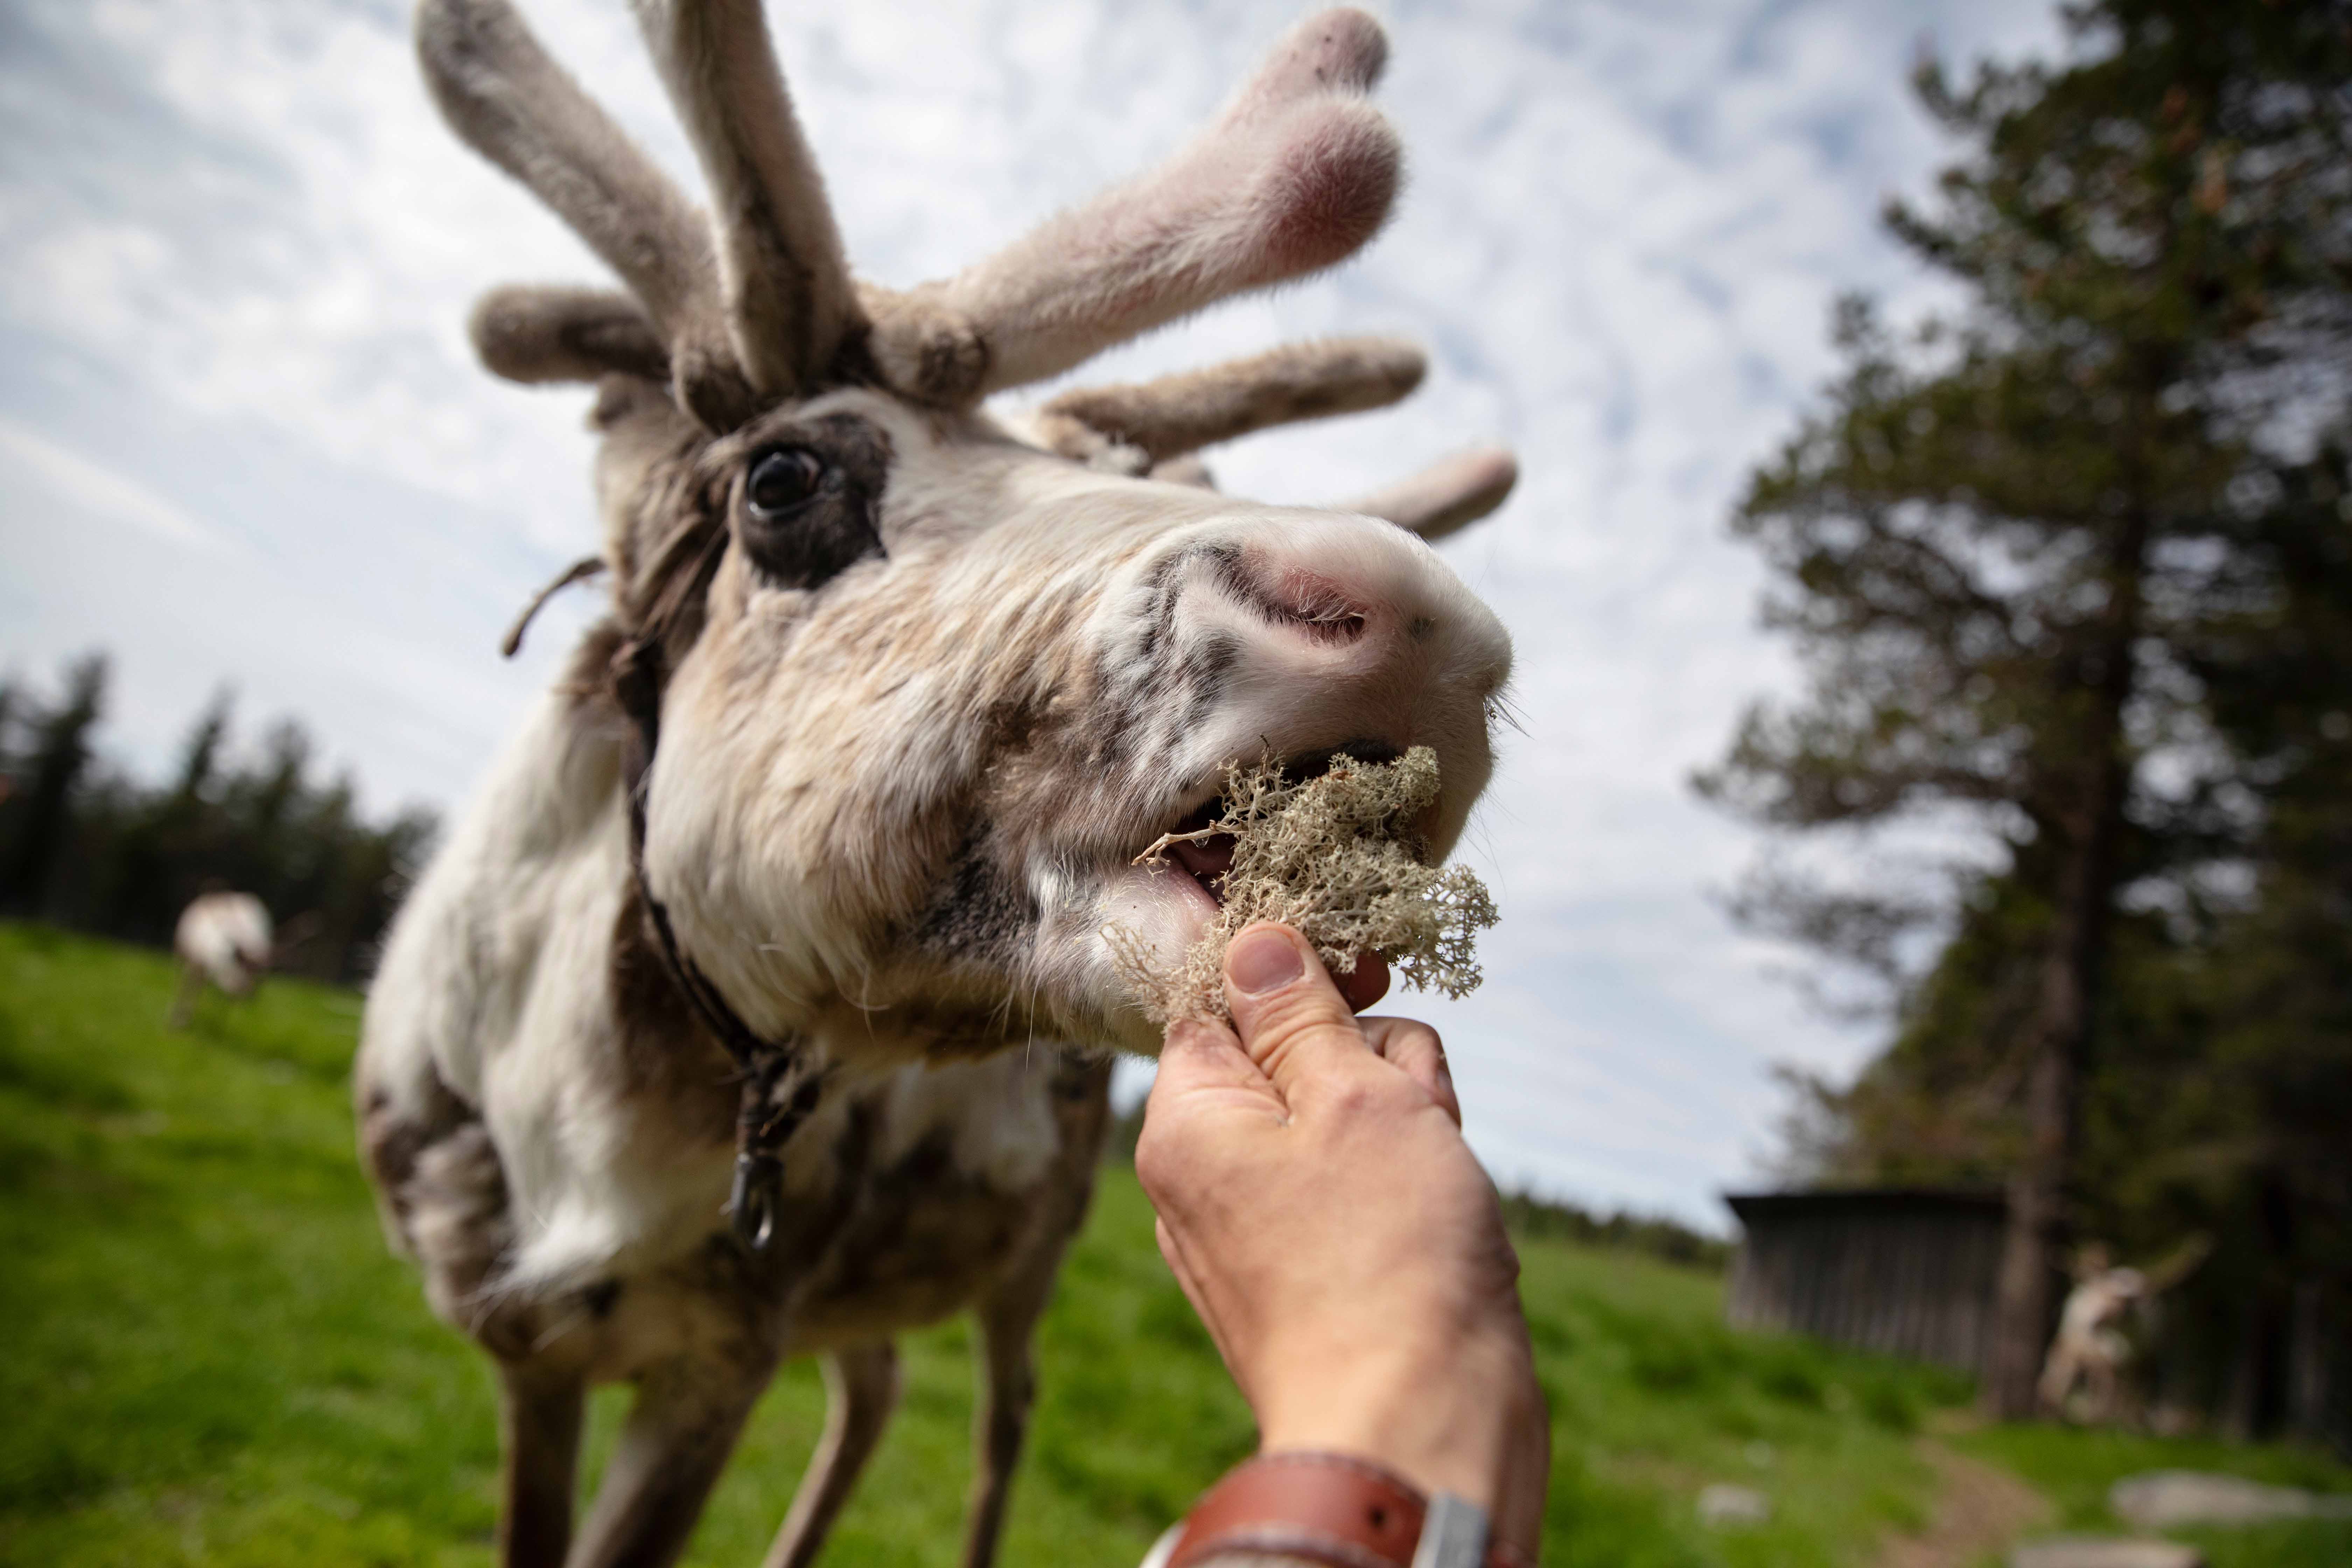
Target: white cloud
[[43, 465], [239, 229]]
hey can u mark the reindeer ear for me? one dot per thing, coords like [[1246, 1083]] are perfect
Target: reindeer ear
[[1447, 496], [1296, 174], [545, 333]]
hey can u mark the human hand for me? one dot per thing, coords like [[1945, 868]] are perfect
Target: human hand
[[1343, 1246]]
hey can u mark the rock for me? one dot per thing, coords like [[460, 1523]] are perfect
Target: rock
[[2104, 1551], [2165, 1498], [1722, 1505]]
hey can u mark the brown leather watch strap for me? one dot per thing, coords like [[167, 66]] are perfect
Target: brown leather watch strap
[[1331, 1509]]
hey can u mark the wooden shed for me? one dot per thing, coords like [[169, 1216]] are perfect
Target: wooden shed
[[1908, 1271]]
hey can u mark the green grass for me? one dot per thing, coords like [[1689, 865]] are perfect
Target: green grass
[[210, 1357], [2073, 1470]]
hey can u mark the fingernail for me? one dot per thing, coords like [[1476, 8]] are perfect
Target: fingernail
[[1262, 960]]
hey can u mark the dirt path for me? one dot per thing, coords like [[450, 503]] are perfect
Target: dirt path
[[1979, 1509]]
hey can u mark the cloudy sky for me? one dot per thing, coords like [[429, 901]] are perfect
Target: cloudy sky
[[242, 439]]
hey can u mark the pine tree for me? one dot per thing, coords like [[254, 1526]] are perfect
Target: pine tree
[[200, 754], [60, 752], [2010, 550], [165, 853], [2279, 980]]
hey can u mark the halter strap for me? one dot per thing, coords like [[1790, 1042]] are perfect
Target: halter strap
[[780, 1087]]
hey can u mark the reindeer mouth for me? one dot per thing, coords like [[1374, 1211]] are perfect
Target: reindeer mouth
[[1168, 903], [1206, 859]]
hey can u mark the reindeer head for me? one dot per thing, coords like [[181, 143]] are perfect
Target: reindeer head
[[933, 679]]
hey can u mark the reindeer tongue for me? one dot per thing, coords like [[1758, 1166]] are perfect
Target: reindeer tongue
[[1207, 860]]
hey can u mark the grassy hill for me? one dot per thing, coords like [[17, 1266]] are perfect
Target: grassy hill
[[210, 1357]]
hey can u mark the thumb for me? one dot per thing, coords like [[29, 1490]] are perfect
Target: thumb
[[1292, 1020]]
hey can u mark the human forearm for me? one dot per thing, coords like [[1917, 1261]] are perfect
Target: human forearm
[[1344, 1248]]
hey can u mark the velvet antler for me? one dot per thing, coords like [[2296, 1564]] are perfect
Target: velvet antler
[[782, 276], [1296, 174], [1179, 414], [535, 332], [1449, 494], [518, 108]]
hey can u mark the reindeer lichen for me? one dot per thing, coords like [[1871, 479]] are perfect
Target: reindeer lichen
[[1336, 858]]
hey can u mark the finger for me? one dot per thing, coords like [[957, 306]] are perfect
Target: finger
[[1292, 1020], [1415, 1047]]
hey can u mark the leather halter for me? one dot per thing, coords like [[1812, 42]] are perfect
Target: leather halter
[[780, 1087]]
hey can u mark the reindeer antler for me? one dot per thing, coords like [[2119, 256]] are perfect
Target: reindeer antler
[[782, 272], [1179, 414], [511, 103], [1157, 425], [1297, 172], [1450, 493], [534, 333]]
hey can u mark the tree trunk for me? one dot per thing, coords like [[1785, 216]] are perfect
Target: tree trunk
[[2067, 1004], [2037, 1190]]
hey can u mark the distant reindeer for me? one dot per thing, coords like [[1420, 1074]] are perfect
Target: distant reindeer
[[2083, 1377], [224, 940], [758, 1005]]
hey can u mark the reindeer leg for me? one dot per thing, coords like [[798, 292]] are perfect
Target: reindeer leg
[[1008, 1315], [183, 1000], [2058, 1376], [2100, 1385], [1008, 1386], [677, 1437], [861, 1389], [539, 1428]]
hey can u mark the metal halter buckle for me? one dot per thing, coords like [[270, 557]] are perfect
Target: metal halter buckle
[[757, 1194]]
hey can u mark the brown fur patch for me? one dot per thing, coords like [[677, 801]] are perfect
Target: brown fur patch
[[929, 1240], [391, 1143]]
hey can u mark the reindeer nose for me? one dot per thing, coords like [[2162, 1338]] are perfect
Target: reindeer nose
[[1362, 589], [1298, 597]]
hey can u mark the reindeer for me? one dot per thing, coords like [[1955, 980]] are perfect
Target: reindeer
[[2083, 1376], [223, 939], [761, 1002]]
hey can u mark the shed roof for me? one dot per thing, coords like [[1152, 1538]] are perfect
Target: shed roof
[[1859, 1203]]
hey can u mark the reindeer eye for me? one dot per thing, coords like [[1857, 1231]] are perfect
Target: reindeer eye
[[785, 478], [809, 502]]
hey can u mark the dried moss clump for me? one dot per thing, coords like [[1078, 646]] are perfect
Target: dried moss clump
[[1336, 858]]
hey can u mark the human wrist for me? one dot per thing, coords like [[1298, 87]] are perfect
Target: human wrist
[[1445, 1420], [1319, 1509]]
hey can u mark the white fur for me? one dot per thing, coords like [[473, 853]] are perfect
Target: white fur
[[227, 938]]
